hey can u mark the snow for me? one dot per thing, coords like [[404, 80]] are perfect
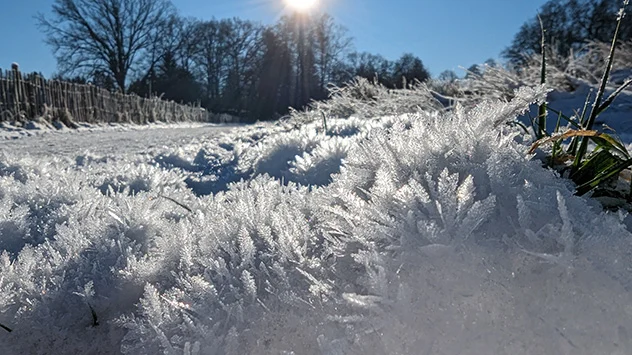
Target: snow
[[39, 140], [614, 120], [422, 233]]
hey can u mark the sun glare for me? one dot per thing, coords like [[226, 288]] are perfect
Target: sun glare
[[301, 5]]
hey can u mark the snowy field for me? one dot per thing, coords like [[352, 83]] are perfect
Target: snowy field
[[39, 140], [424, 233]]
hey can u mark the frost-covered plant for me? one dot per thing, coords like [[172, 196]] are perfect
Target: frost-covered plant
[[133, 179], [71, 286], [399, 169], [273, 155], [418, 226], [585, 66], [563, 73], [232, 266], [304, 155], [318, 166], [498, 82], [364, 99]]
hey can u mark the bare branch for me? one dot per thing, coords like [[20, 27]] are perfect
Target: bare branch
[[109, 36]]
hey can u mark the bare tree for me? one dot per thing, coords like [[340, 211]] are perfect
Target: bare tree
[[331, 44], [227, 54], [175, 46], [176, 40], [208, 54], [275, 78], [109, 36], [244, 50]]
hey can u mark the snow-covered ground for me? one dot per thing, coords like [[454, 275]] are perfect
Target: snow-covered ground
[[425, 233], [616, 120], [37, 140]]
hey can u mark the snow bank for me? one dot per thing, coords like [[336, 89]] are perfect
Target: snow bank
[[421, 233]]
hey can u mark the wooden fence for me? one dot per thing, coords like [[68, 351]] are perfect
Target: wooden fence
[[29, 96]]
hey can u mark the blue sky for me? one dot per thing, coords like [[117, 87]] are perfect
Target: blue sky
[[444, 34]]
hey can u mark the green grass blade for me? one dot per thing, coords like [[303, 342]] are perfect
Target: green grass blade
[[594, 166], [613, 96], [565, 118], [610, 143], [602, 89], [603, 176], [572, 148], [582, 119], [557, 145], [519, 124], [542, 112]]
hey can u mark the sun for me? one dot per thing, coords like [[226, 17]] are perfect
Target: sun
[[301, 5]]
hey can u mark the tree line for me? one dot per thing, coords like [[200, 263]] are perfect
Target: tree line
[[261, 71], [228, 65], [568, 26]]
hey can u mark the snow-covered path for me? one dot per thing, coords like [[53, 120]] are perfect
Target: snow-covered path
[[112, 140]]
